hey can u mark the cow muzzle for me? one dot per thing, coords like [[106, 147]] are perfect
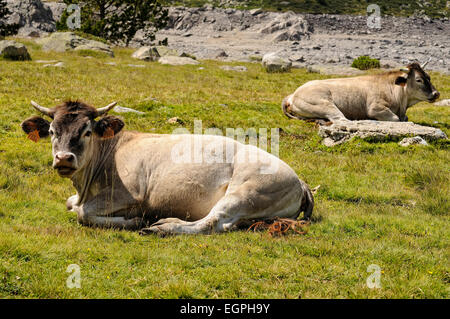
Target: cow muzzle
[[64, 163], [434, 96]]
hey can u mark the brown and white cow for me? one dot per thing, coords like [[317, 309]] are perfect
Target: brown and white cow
[[382, 97], [124, 179]]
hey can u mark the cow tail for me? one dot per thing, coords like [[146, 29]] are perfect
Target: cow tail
[[307, 204], [284, 107]]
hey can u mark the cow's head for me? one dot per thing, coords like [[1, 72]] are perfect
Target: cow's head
[[418, 83], [73, 132]]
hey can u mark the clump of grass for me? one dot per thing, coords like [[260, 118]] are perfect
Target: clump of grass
[[365, 63], [92, 53], [432, 186]]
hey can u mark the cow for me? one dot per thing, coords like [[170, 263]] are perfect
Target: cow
[[149, 182], [382, 97]]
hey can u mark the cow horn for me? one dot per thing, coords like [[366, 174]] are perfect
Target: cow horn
[[43, 110], [404, 70], [106, 109], [425, 64]]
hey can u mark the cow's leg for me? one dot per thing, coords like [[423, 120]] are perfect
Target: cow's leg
[[108, 210], [244, 203], [320, 109], [382, 113]]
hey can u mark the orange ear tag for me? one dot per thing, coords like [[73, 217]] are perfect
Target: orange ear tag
[[34, 136], [109, 133]]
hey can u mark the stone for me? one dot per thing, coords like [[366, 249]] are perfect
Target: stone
[[274, 63], [66, 41], [445, 102], [416, 140], [166, 51], [12, 50], [146, 53], [31, 14], [122, 109], [175, 60], [174, 120], [343, 131], [238, 68]]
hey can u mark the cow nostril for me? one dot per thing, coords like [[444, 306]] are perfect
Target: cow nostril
[[70, 158]]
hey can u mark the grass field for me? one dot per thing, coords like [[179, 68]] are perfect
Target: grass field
[[378, 203]]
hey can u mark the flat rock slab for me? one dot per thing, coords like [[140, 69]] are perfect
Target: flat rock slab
[[175, 60], [343, 131]]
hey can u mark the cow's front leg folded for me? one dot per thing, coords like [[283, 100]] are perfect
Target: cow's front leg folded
[[106, 212], [71, 202]]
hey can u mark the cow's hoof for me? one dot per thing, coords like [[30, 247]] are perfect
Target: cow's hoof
[[153, 230]]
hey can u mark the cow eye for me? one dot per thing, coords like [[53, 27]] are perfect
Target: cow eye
[[51, 132], [88, 133], [419, 80]]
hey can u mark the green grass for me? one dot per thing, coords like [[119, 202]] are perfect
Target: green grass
[[378, 203], [433, 8]]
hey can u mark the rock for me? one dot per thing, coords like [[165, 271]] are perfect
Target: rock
[[136, 65], [445, 102], [122, 109], [221, 54], [66, 41], [273, 63], [333, 69], [14, 51], [342, 131], [238, 68], [416, 140], [30, 32], [175, 60], [46, 61], [57, 9], [31, 14], [166, 51], [57, 65], [146, 54], [174, 120], [292, 26], [255, 12]]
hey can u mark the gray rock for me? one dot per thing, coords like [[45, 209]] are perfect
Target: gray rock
[[175, 60], [57, 9], [238, 68], [274, 63], [14, 51], [66, 41], [445, 102], [343, 131], [136, 65], [146, 54], [416, 140], [31, 14]]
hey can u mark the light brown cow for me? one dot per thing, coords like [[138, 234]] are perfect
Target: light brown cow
[[124, 179], [383, 97]]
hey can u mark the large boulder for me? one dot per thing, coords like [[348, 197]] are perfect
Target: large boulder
[[274, 63], [287, 27], [13, 50], [66, 41], [343, 131], [32, 16], [146, 54], [176, 60]]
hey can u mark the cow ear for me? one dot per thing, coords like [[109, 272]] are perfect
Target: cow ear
[[401, 80], [36, 127], [108, 126]]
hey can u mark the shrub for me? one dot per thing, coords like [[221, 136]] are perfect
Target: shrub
[[365, 63]]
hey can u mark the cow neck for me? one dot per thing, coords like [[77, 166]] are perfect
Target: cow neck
[[101, 154]]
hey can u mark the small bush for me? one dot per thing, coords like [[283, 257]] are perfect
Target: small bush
[[365, 63]]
